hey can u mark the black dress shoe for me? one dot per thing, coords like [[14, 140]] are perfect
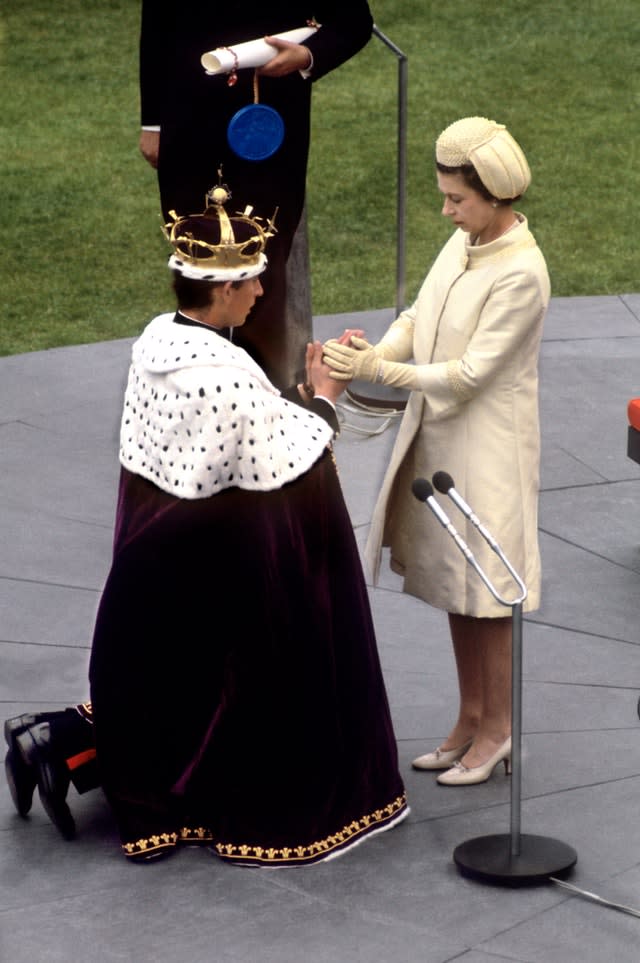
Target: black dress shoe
[[21, 777], [22, 781], [18, 724], [52, 775]]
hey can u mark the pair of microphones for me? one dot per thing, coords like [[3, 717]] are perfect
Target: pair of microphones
[[443, 482]]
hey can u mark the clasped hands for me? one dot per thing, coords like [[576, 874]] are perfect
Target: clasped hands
[[352, 357], [318, 379], [326, 372]]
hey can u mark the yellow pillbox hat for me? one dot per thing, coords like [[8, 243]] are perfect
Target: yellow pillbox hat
[[498, 159]]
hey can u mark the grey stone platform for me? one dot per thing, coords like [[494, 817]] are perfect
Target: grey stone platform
[[399, 897]]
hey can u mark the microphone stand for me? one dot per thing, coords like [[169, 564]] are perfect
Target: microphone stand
[[510, 858]]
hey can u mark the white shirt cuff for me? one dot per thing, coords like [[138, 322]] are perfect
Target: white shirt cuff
[[328, 400], [306, 73]]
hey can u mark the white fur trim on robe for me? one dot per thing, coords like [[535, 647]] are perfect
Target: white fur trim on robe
[[201, 416]]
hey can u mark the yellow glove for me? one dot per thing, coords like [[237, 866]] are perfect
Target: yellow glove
[[360, 361], [363, 363], [398, 375]]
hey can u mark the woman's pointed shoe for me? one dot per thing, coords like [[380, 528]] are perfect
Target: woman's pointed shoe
[[440, 758], [460, 775]]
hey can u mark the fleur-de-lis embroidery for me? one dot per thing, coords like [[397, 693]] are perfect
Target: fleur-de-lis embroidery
[[346, 834]]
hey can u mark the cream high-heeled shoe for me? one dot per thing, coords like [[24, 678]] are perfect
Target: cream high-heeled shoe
[[459, 775], [441, 758]]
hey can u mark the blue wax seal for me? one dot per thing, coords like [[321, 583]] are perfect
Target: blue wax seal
[[255, 132]]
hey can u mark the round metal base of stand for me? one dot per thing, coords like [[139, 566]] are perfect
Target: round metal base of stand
[[489, 859]]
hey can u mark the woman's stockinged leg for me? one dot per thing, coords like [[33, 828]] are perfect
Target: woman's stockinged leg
[[482, 650], [469, 669]]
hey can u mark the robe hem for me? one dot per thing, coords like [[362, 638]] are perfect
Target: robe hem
[[332, 846]]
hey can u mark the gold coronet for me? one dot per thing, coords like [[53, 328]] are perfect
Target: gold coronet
[[242, 237]]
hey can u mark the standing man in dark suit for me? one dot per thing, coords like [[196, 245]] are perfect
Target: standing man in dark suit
[[185, 114]]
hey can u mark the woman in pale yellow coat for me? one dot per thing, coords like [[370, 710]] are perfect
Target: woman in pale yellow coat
[[474, 334]]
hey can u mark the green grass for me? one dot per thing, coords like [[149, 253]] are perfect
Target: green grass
[[82, 255]]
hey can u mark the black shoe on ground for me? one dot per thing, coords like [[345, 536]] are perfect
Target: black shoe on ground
[[52, 775], [21, 777], [22, 782]]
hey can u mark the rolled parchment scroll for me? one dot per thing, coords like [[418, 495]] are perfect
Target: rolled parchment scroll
[[252, 53]]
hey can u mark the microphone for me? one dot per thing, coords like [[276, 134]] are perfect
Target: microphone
[[443, 481], [445, 485], [423, 491]]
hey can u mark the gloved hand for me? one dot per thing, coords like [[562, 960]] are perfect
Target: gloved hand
[[409, 376], [360, 361], [365, 364]]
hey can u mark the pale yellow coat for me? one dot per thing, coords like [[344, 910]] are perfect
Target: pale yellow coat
[[475, 329]]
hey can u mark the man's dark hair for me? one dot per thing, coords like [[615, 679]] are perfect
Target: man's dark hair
[[191, 293]]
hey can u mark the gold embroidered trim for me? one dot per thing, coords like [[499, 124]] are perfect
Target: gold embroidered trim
[[195, 834], [269, 855], [456, 383], [150, 844], [302, 854], [85, 709]]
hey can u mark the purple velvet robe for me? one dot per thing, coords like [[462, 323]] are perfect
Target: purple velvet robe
[[237, 692]]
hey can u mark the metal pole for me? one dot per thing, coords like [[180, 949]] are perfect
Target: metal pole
[[507, 857], [516, 726], [401, 202]]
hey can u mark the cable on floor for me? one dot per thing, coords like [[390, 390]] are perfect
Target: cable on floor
[[355, 407], [595, 898]]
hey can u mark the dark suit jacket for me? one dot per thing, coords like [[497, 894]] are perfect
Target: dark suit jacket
[[193, 109]]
